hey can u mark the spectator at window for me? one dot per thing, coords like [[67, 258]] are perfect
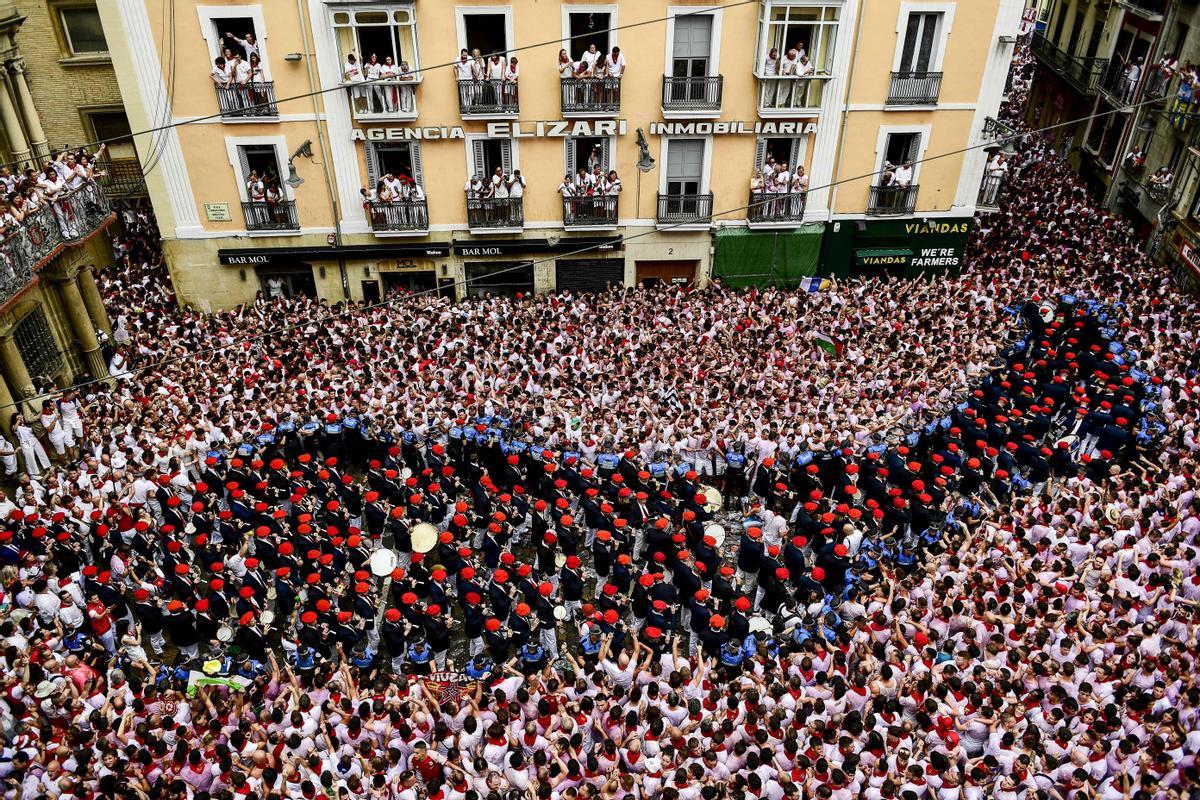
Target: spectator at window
[[511, 72], [249, 44], [373, 72], [406, 76]]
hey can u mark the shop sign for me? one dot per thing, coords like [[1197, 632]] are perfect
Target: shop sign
[[541, 129], [761, 128]]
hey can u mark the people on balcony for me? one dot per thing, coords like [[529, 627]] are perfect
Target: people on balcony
[[397, 201], [488, 201], [795, 66], [1160, 182], [581, 194], [1135, 162], [777, 192], [55, 185], [596, 76], [994, 176]]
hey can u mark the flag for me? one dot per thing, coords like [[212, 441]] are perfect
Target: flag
[[814, 284], [828, 343]]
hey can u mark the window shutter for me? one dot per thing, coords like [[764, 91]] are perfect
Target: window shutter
[[506, 160], [477, 150], [569, 156], [414, 150], [760, 154], [372, 163], [799, 151], [243, 163], [914, 148], [606, 154]]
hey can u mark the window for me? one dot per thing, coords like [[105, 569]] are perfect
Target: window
[[1176, 154], [262, 161], [809, 30], [488, 154], [394, 158], [685, 166], [587, 28], [783, 150], [485, 32], [37, 346], [382, 31], [692, 46], [902, 148], [920, 42], [83, 34], [111, 126], [587, 152]]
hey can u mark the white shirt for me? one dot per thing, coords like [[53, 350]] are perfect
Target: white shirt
[[464, 70], [518, 186], [615, 68]]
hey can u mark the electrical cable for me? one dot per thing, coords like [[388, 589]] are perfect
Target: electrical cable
[[198, 354]]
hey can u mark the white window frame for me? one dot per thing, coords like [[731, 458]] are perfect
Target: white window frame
[[415, 155], [568, 10], [941, 41], [718, 15], [924, 131], [232, 143], [209, 14], [799, 147], [664, 148], [469, 147], [351, 7], [568, 141], [460, 25], [58, 11], [760, 55]]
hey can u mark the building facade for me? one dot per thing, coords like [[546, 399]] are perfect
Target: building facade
[[699, 108], [1098, 71], [52, 316]]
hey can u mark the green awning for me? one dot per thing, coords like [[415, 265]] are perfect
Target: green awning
[[880, 257], [767, 258]]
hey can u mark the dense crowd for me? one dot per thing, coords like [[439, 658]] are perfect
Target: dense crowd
[[950, 553]]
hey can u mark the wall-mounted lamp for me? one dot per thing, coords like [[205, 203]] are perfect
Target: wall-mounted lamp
[[293, 57], [242, 274], [293, 180], [1008, 40], [321, 270]]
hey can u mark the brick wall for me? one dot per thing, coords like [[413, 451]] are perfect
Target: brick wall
[[59, 90]]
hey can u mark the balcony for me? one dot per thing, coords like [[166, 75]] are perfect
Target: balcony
[[122, 178], [892, 200], [785, 95], [692, 96], [1122, 92], [495, 99], [70, 219], [776, 209], [591, 97], [495, 214], [262, 216], [384, 100], [253, 101], [682, 210], [914, 89], [590, 212], [1153, 10], [989, 192], [1082, 73], [402, 216]]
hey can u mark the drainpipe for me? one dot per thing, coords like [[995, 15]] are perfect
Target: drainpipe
[[325, 156], [837, 177]]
